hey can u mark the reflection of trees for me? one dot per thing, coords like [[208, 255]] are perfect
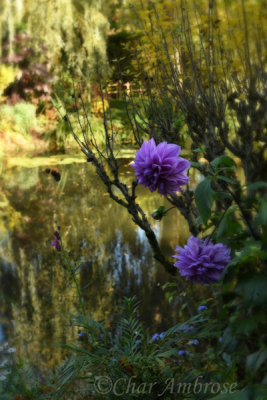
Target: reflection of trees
[[114, 257], [174, 222], [39, 314]]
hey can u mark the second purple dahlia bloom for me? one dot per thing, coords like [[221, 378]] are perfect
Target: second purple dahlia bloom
[[159, 167], [202, 262]]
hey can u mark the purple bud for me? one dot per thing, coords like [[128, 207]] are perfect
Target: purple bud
[[56, 244], [57, 235]]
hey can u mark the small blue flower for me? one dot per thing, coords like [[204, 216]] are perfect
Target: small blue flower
[[194, 342], [161, 335], [202, 308], [191, 328], [155, 336], [101, 336], [183, 353], [81, 334], [186, 328], [183, 328], [220, 339], [114, 360]]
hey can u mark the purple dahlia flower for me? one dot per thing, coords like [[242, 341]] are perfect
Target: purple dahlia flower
[[202, 262], [159, 167]]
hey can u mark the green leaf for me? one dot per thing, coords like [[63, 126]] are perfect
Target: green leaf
[[221, 196], [255, 392], [195, 164], [251, 252], [168, 353], [226, 160], [257, 185], [228, 225], [203, 197], [229, 341], [226, 179], [169, 296], [199, 149], [249, 324], [168, 285], [252, 288], [255, 360], [159, 213], [262, 214]]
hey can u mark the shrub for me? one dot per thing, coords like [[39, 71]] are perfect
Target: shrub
[[22, 116], [7, 75]]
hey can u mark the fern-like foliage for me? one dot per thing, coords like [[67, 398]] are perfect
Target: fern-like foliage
[[126, 357]]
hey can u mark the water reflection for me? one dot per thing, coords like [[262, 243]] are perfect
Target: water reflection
[[113, 255]]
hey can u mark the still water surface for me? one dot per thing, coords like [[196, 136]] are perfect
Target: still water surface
[[113, 254]]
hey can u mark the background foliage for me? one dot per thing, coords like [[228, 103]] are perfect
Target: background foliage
[[198, 78]]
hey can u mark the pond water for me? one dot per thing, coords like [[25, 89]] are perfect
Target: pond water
[[113, 254]]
